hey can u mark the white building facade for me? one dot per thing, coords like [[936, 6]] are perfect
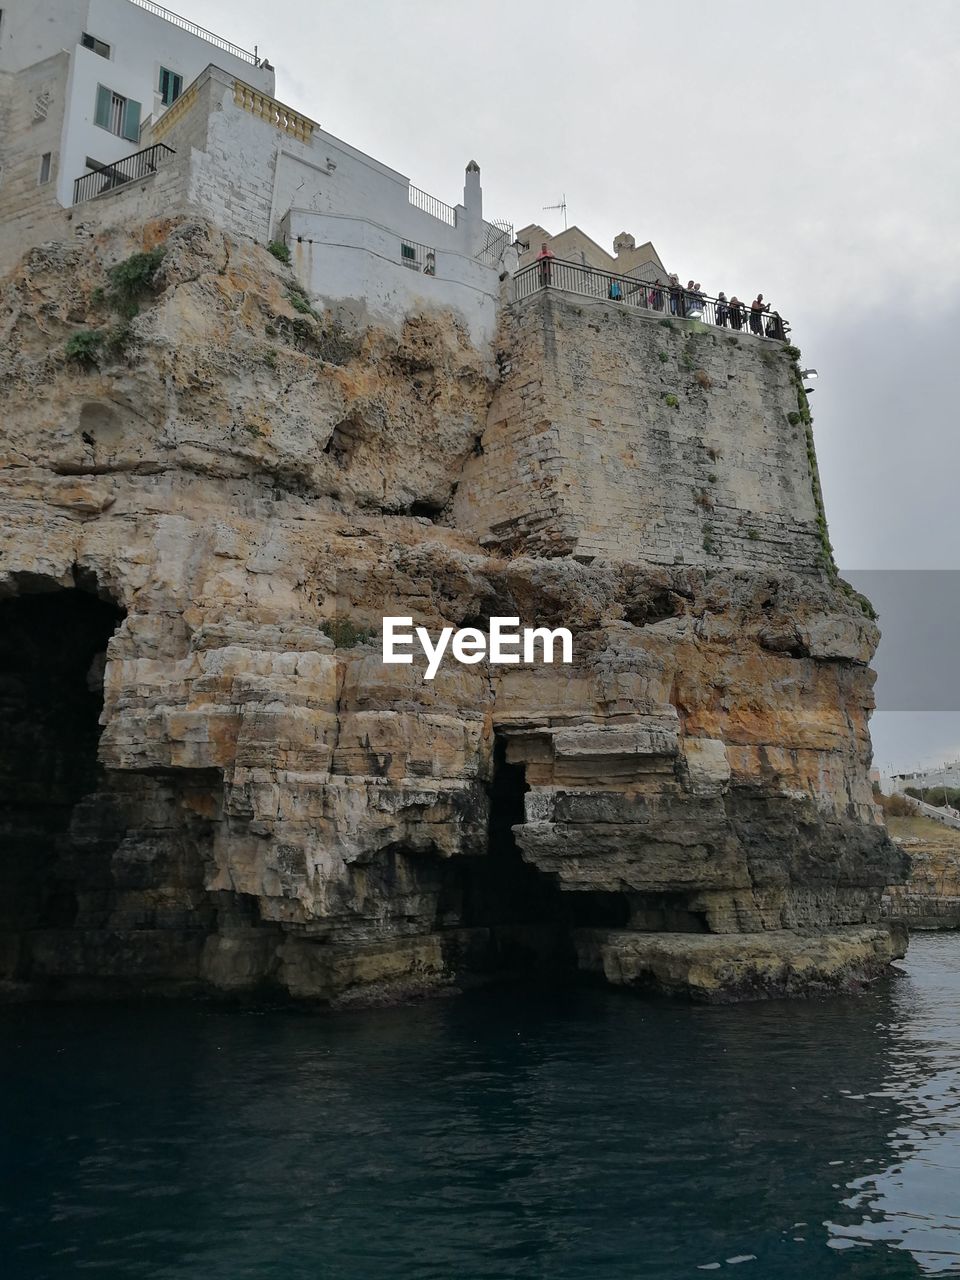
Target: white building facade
[[119, 111], [126, 62]]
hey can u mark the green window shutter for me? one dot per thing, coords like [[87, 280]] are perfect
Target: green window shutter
[[171, 86], [102, 114], [131, 120]]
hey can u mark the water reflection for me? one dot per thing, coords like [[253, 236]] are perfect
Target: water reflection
[[521, 1134], [913, 1204]]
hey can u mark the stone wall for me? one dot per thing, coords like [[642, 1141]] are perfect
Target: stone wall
[[31, 120], [619, 436]]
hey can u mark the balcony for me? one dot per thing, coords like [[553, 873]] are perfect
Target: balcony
[[142, 164]]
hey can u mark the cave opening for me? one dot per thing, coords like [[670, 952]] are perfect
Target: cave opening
[[529, 916], [52, 658]]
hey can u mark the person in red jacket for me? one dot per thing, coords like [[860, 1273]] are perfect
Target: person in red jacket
[[546, 270]]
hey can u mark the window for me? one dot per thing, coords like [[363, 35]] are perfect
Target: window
[[408, 255], [44, 169], [118, 114], [171, 86], [98, 46]]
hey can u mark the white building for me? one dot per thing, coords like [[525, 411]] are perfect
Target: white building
[[126, 62], [119, 111]]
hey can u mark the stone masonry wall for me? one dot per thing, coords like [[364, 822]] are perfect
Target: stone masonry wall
[[619, 436], [31, 118]]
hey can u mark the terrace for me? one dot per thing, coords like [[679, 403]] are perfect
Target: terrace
[[652, 298]]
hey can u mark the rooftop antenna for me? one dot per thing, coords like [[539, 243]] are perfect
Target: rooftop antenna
[[561, 206]]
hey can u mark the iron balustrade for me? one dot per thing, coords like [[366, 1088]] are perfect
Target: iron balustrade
[[192, 27], [130, 169], [497, 237], [430, 204], [418, 257], [657, 299]]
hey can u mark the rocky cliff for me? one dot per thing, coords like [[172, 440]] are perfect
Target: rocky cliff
[[210, 496], [930, 898]]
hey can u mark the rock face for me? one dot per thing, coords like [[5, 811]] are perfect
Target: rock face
[[930, 898], [208, 776]]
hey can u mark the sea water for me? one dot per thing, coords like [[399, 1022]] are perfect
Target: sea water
[[524, 1132]]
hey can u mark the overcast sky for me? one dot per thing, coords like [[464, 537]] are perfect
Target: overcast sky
[[808, 150]]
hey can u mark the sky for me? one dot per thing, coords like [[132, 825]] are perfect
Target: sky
[[810, 151]]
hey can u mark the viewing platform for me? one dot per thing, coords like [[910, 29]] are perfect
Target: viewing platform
[[655, 298]]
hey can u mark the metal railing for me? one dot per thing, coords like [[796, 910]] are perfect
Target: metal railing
[[130, 169], [418, 257], [192, 27], [430, 204], [656, 298], [497, 236]]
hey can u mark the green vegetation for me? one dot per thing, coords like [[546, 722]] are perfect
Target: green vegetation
[[793, 418], [712, 477], [858, 598], [117, 338], [300, 302], [753, 535], [83, 348], [803, 415], [709, 545], [345, 635], [665, 323], [662, 357], [897, 807], [131, 279], [279, 250], [671, 401], [939, 796], [336, 346]]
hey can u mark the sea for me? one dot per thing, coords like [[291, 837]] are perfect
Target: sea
[[516, 1132]]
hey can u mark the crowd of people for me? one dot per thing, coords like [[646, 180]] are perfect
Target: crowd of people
[[688, 302]]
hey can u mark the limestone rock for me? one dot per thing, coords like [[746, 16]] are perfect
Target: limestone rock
[[211, 779]]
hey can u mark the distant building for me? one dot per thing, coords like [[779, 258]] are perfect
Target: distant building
[[945, 775], [574, 245]]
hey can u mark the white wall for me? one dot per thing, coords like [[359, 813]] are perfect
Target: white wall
[[32, 31], [352, 260], [332, 177], [140, 43]]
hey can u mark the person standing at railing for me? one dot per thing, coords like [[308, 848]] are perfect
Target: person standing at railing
[[736, 313], [615, 293], [655, 295], [723, 309], [775, 327], [695, 301], [676, 297], [757, 308], [546, 266]]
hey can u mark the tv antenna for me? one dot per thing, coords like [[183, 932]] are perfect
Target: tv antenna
[[562, 206]]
